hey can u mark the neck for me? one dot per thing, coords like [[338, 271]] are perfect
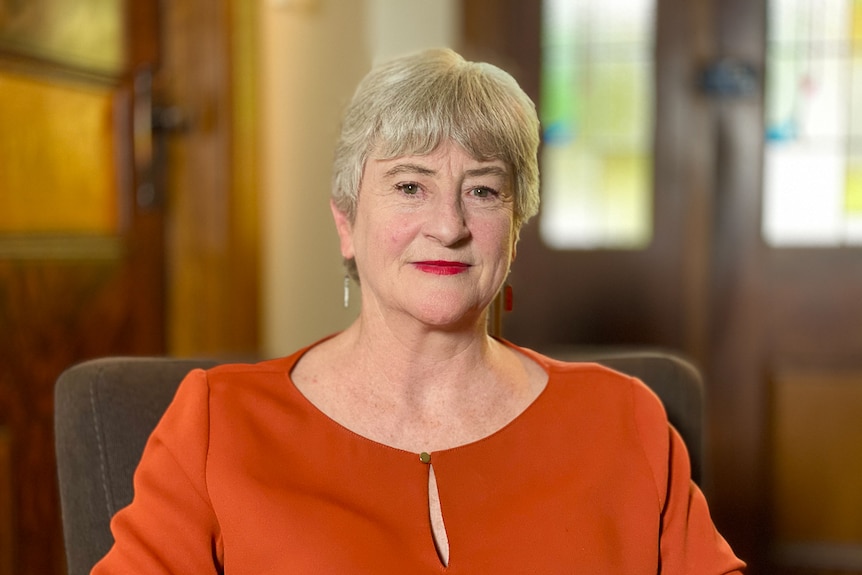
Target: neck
[[418, 389], [418, 361]]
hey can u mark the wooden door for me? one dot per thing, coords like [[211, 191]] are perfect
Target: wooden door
[[777, 332], [126, 184], [785, 341], [81, 249]]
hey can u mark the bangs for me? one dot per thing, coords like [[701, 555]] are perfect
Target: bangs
[[467, 111]]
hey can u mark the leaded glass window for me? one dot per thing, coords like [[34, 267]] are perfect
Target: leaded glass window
[[596, 109], [813, 151]]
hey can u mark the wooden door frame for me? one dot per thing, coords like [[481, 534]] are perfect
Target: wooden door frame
[[209, 76], [737, 301]]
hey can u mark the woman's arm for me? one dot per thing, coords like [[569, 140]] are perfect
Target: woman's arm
[[170, 526], [690, 543]]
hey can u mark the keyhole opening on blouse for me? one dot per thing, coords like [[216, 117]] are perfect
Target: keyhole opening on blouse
[[438, 529]]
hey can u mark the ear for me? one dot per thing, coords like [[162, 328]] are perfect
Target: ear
[[516, 235], [344, 227]]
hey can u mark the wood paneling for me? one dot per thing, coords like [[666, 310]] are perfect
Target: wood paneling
[[817, 451], [53, 314], [7, 520], [816, 447]]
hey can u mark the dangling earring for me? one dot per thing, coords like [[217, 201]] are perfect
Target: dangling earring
[[508, 297], [346, 291]]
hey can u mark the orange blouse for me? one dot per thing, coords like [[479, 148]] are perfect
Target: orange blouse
[[244, 475]]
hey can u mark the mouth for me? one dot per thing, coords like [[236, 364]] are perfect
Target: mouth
[[442, 268]]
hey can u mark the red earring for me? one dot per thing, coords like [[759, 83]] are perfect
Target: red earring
[[508, 298]]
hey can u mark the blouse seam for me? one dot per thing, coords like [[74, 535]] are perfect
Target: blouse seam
[[205, 495], [206, 485], [642, 443]]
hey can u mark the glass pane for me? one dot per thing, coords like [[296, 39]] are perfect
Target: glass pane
[[596, 110], [813, 153], [80, 33], [58, 150]]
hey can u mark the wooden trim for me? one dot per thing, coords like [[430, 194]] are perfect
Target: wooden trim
[[817, 555], [7, 515], [61, 248], [211, 189], [142, 46], [245, 181]]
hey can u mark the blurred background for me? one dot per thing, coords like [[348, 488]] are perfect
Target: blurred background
[[164, 175]]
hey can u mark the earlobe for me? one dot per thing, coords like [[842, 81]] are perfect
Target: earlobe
[[344, 227]]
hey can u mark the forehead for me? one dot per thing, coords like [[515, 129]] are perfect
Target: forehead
[[447, 156]]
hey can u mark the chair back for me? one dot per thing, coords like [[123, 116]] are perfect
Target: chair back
[[104, 412]]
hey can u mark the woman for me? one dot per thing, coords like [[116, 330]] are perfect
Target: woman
[[412, 442]]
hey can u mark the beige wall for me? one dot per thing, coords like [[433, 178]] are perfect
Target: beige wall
[[313, 54]]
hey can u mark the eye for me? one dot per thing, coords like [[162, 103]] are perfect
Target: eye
[[484, 192], [408, 188]]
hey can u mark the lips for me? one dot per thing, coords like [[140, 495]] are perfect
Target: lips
[[442, 268]]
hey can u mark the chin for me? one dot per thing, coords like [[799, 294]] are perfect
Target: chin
[[450, 318]]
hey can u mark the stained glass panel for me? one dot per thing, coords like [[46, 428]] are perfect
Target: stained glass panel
[[596, 111], [813, 151]]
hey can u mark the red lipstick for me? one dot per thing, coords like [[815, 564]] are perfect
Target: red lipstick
[[442, 268]]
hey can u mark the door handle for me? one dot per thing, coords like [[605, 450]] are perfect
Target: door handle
[[729, 78], [170, 120]]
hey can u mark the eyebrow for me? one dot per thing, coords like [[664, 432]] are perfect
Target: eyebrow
[[409, 169], [425, 171]]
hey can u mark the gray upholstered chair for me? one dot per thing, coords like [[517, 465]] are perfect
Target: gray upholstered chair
[[105, 410]]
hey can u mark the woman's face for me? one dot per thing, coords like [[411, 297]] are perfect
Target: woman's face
[[433, 235]]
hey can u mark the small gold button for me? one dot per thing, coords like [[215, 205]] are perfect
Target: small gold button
[[425, 457]]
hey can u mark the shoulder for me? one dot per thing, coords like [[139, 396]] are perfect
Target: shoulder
[[228, 388], [598, 381], [241, 371], [234, 374], [618, 404]]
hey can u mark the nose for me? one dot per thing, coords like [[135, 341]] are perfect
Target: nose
[[447, 221]]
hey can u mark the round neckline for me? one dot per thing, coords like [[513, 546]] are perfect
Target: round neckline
[[542, 361]]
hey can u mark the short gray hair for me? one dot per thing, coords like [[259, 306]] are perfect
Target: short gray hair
[[411, 104]]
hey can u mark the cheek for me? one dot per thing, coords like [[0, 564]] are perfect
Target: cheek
[[397, 232], [496, 236], [384, 240]]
